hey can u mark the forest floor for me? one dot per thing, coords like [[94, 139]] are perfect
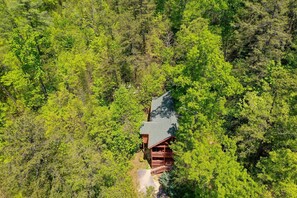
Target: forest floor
[[146, 182], [141, 169], [2, 195], [138, 162]]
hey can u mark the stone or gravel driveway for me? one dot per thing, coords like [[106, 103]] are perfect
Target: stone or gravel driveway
[[145, 180]]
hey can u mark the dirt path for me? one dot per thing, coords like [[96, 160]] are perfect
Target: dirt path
[[145, 180], [137, 163], [141, 175]]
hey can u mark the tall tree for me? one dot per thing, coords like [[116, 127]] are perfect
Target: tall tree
[[28, 52], [202, 83], [278, 172], [261, 36]]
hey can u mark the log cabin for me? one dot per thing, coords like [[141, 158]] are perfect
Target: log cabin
[[158, 133]]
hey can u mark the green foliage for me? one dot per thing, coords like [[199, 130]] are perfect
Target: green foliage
[[166, 183], [152, 84], [63, 161], [203, 83], [202, 60], [207, 171], [77, 77], [127, 113], [256, 109], [260, 37], [267, 117], [278, 172], [150, 192]]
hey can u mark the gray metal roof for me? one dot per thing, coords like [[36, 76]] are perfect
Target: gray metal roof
[[163, 120]]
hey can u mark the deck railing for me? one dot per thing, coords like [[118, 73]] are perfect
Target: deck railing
[[156, 163], [162, 154]]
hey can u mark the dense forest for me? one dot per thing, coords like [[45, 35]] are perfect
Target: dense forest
[[77, 78]]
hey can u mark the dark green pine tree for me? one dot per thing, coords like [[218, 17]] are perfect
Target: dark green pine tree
[[261, 36]]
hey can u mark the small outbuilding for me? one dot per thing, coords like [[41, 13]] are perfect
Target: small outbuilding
[[159, 132]]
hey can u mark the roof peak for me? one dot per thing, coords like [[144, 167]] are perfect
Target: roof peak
[[163, 120]]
